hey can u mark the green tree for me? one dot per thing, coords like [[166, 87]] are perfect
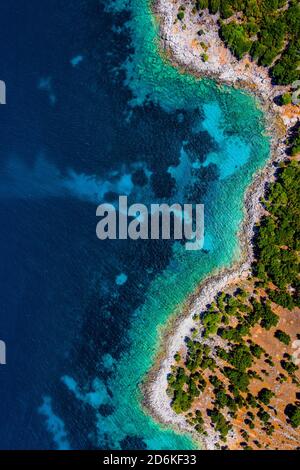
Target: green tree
[[265, 395], [202, 4], [240, 357], [293, 412], [283, 337], [214, 6]]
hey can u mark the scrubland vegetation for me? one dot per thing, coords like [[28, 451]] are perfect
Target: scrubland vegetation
[[222, 353], [269, 30], [222, 359]]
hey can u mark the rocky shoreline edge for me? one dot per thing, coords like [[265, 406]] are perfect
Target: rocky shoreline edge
[[155, 399]]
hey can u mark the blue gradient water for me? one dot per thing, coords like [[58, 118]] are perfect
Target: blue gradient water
[[93, 111]]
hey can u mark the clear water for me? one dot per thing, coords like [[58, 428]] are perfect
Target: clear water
[[104, 114]]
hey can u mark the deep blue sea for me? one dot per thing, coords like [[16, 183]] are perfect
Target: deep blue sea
[[94, 112]]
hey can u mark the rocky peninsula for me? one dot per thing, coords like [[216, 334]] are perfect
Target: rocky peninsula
[[204, 54]]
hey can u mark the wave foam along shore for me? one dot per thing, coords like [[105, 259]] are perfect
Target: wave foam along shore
[[181, 47]]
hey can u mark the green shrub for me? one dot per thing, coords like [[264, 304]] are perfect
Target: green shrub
[[286, 98]]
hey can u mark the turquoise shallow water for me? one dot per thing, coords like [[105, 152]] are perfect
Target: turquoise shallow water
[[233, 120], [96, 113]]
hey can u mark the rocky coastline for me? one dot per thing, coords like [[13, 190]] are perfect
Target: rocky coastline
[[179, 44]]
